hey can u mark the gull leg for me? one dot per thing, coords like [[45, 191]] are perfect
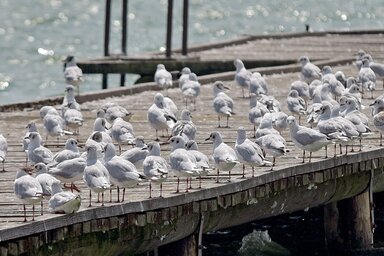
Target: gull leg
[[90, 198], [253, 171], [110, 194], [227, 121], [243, 171], [102, 198], [303, 156], [33, 212], [161, 189], [41, 207], [177, 188], [122, 200], [186, 188], [190, 182], [217, 176], [326, 151], [274, 161], [25, 213], [118, 194], [218, 117], [150, 189], [310, 156], [199, 181], [229, 176], [254, 131]]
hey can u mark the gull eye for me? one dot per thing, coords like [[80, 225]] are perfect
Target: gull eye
[[177, 141]]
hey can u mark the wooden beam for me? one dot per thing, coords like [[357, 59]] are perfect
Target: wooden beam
[[107, 26], [124, 35]]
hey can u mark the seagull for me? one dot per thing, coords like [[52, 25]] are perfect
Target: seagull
[[72, 73], [28, 190], [336, 87], [137, 154], [63, 201], [163, 78], [69, 171], [184, 77], [3, 149], [155, 167], [122, 173], [242, 76], [224, 156], [257, 84], [46, 181], [122, 132], [183, 164], [113, 111], [305, 138], [279, 121], [248, 152], [273, 144], [36, 152], [69, 97], [367, 77], [256, 112], [302, 88], [70, 151], [73, 118], [184, 126], [202, 161], [45, 109], [309, 71], [378, 118], [100, 126], [31, 126], [53, 124], [159, 117], [222, 103], [358, 63], [266, 126], [96, 175], [296, 104], [378, 68], [191, 90]]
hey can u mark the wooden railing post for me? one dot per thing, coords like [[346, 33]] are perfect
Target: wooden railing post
[[169, 29], [124, 35], [184, 47], [106, 38]]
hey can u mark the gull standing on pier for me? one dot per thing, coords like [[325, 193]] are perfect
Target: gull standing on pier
[[113, 110], [257, 84], [309, 71], [73, 118], [248, 152], [367, 77], [72, 73], [100, 126], [46, 181], [31, 126], [53, 125], [183, 164], [191, 90], [96, 175], [155, 167], [184, 126], [242, 76], [222, 103], [137, 154], [3, 149], [256, 112], [163, 78], [159, 117], [184, 77], [69, 171], [122, 173], [273, 144], [305, 138], [296, 104], [63, 201], [224, 156], [36, 152], [202, 161], [28, 190], [378, 118], [69, 97], [122, 132], [70, 151]]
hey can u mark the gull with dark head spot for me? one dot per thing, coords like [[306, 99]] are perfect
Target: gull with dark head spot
[[184, 126], [137, 154], [256, 112], [257, 84], [36, 152], [72, 73], [296, 104]]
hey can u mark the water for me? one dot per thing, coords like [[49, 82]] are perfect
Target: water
[[37, 35]]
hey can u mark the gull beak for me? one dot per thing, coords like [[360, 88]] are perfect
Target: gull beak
[[207, 138], [227, 88]]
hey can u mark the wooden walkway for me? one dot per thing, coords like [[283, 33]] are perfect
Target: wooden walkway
[[13, 123]]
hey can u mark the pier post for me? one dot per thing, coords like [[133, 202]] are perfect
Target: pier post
[[333, 240], [106, 38], [124, 15], [355, 223], [169, 29], [184, 46], [184, 247]]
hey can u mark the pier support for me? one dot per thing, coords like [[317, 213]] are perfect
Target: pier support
[[348, 224], [183, 247]]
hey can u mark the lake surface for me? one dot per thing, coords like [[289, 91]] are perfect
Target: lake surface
[[37, 35]]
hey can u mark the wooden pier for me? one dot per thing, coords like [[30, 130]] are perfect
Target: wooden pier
[[141, 224]]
